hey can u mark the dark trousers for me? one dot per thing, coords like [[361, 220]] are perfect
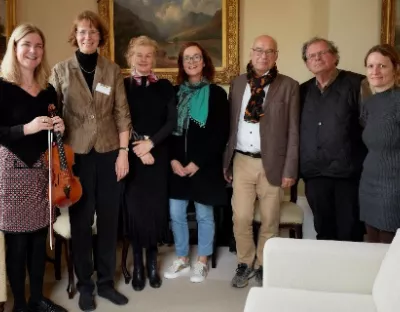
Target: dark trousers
[[26, 250], [101, 194], [334, 203]]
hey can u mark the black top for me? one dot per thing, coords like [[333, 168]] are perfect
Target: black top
[[17, 107], [204, 147], [87, 63], [156, 118], [330, 132]]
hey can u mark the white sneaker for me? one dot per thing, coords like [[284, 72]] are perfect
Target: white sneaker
[[199, 273], [179, 267]]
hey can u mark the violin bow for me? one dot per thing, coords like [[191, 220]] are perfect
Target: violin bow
[[50, 143]]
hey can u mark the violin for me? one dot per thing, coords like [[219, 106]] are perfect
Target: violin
[[65, 189]]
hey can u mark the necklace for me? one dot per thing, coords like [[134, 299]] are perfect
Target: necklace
[[87, 72]]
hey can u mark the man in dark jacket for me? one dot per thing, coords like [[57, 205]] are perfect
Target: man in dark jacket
[[331, 148]]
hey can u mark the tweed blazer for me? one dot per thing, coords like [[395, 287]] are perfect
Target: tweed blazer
[[279, 127], [93, 119]]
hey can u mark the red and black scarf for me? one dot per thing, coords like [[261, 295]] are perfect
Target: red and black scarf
[[254, 110]]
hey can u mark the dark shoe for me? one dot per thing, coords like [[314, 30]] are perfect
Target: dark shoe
[[242, 276], [152, 270], [138, 278], [259, 276], [86, 302], [113, 295], [45, 305]]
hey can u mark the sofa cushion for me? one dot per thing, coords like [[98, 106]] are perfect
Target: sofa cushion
[[273, 299], [386, 288]]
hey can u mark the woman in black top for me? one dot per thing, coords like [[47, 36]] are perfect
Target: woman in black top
[[24, 205], [153, 111], [197, 148]]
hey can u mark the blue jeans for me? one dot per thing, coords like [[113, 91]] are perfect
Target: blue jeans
[[205, 224]]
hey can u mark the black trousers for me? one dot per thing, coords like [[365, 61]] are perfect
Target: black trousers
[[26, 250], [334, 203], [101, 195]]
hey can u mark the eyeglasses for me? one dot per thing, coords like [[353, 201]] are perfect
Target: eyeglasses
[[91, 33], [195, 58], [260, 52], [313, 56]]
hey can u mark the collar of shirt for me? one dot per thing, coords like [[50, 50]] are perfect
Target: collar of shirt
[[330, 81]]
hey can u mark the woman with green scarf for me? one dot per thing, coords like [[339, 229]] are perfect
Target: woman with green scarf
[[197, 148]]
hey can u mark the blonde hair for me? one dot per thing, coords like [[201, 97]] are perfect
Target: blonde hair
[[10, 69], [140, 41], [95, 21]]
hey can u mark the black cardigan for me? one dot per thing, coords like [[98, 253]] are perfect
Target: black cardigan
[[17, 108], [204, 147]]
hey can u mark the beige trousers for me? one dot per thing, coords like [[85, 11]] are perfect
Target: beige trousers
[[3, 275], [249, 183]]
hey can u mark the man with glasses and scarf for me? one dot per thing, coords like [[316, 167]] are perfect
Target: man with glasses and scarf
[[261, 158]]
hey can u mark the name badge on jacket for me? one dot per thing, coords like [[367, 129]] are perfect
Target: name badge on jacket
[[103, 89]]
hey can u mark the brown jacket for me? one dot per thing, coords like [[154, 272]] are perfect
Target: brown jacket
[[92, 119], [279, 127]]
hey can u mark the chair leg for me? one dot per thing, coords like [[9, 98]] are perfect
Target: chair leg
[[292, 233], [71, 289], [2, 304], [57, 257], [94, 252], [125, 248], [217, 221], [299, 231]]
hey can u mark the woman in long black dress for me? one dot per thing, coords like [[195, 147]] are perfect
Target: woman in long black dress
[[380, 180], [153, 112]]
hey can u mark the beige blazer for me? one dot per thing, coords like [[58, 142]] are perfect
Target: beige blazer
[[279, 127], [92, 119]]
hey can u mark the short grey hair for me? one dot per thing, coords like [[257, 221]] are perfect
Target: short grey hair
[[331, 46]]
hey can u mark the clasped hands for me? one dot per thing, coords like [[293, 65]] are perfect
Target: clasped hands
[[181, 171], [142, 150]]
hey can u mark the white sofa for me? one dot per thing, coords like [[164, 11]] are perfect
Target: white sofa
[[328, 276]]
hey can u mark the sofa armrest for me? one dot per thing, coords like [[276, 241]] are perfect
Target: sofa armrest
[[322, 265]]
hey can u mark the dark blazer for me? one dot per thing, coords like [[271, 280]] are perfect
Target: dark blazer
[[204, 147], [279, 127]]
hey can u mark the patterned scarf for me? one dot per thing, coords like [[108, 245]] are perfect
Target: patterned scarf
[[139, 79], [254, 110], [193, 104]]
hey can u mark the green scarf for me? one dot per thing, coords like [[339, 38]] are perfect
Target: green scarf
[[193, 104]]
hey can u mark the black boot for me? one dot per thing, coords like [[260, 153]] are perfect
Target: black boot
[[152, 270], [138, 278]]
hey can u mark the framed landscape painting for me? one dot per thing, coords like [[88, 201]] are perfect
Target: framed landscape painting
[[212, 23], [390, 28], [7, 23]]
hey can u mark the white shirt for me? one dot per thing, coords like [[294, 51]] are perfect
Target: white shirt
[[248, 136]]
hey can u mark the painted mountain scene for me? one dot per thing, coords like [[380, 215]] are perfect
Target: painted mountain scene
[[171, 23]]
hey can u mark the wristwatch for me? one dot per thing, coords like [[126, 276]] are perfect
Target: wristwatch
[[124, 148]]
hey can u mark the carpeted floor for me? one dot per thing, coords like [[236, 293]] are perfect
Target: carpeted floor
[[179, 295]]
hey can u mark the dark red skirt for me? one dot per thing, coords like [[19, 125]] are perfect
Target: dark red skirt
[[24, 204]]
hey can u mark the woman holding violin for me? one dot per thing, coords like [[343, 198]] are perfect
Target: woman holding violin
[[24, 123], [92, 102]]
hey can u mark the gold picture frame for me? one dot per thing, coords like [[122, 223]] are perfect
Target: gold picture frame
[[388, 22], [8, 25], [229, 68]]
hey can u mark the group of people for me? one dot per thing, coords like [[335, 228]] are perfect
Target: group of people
[[159, 146]]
